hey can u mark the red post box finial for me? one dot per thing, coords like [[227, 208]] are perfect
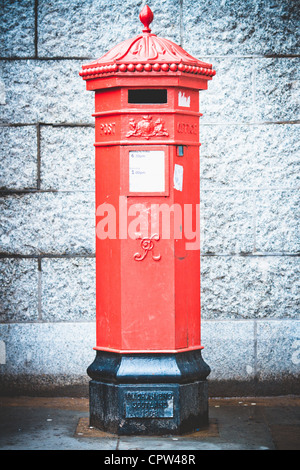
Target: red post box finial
[[146, 17]]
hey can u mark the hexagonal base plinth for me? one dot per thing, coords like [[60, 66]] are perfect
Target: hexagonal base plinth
[[149, 394], [154, 409]]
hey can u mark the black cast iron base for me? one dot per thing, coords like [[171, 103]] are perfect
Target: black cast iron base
[[148, 394]]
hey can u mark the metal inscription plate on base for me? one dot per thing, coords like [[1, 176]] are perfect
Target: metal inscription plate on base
[[154, 404]]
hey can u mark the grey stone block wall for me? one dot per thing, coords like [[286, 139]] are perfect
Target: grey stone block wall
[[249, 188]]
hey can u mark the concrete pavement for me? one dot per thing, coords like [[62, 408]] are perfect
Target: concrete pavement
[[37, 423]]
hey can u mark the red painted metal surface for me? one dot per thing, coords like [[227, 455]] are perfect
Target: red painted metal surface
[[144, 56], [147, 282]]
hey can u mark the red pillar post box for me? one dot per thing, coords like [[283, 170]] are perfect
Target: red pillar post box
[[148, 376]]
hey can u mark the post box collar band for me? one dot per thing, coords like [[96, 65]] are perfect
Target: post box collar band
[[185, 367], [146, 53]]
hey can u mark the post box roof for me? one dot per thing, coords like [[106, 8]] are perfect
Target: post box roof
[[146, 53]]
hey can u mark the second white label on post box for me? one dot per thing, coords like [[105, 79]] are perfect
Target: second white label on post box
[[178, 177], [147, 171]]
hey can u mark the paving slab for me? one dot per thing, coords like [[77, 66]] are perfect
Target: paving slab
[[47, 423]]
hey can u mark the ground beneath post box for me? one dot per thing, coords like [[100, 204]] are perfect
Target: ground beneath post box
[[28, 423]]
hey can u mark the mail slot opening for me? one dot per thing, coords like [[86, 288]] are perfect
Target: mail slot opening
[[147, 96]]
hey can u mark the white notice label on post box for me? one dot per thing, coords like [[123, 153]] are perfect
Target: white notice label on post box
[[147, 171], [184, 100], [178, 177]]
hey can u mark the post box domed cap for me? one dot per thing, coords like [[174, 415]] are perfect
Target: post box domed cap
[[146, 53]]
